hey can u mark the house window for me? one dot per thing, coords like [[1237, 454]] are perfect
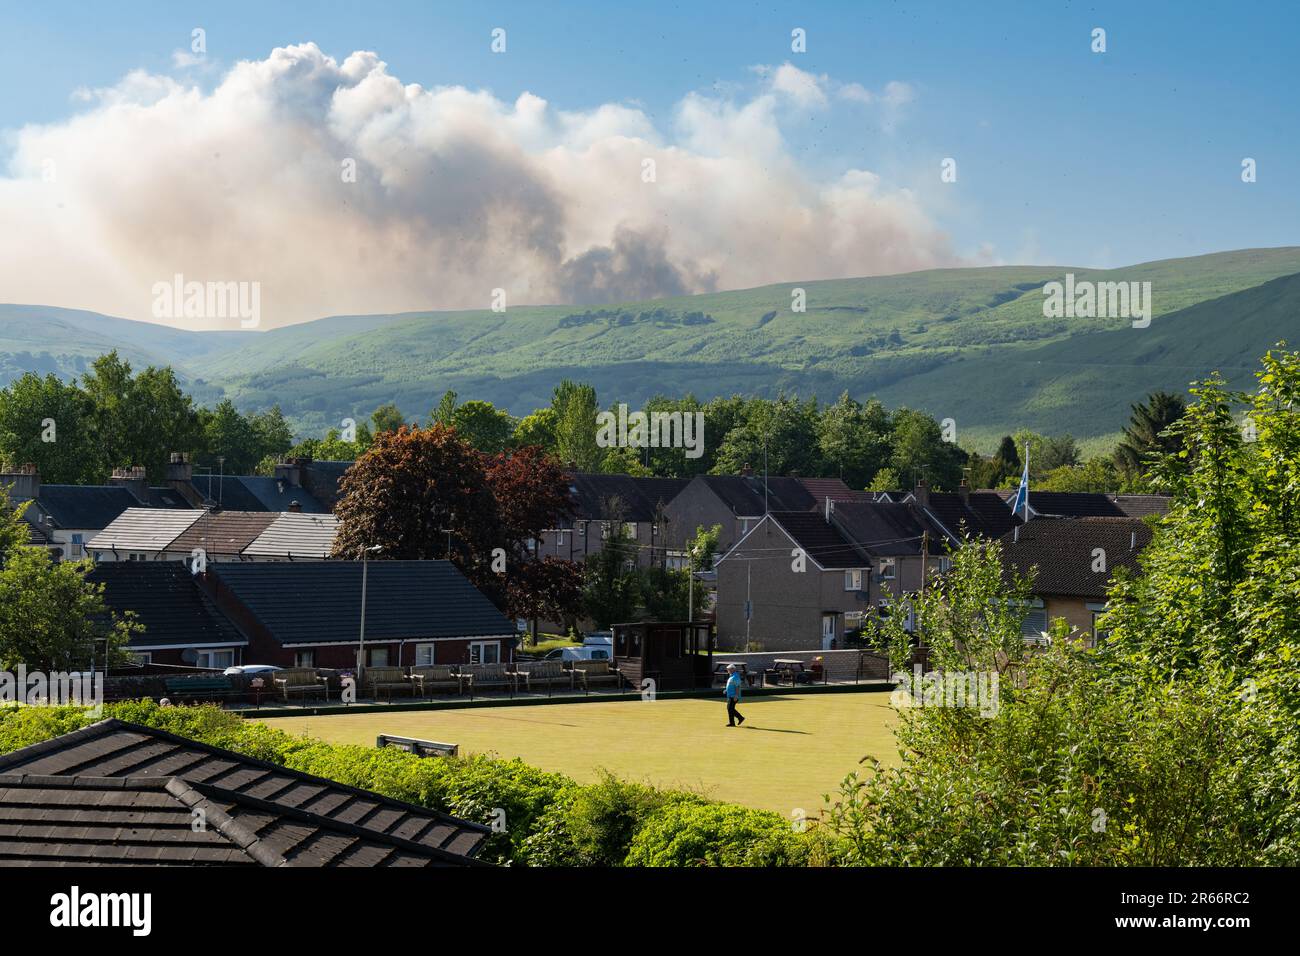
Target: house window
[[1035, 625], [225, 657], [378, 657], [888, 569], [629, 528], [485, 652], [304, 658], [424, 654], [853, 580], [1098, 635], [142, 657], [945, 564], [582, 530]]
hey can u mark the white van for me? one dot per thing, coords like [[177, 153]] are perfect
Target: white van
[[598, 646]]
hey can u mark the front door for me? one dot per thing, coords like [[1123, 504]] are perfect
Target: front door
[[828, 631]]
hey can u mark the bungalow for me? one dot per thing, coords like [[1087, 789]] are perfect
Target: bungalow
[[1072, 561], [308, 614], [182, 625]]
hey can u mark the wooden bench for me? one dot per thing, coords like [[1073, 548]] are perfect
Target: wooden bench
[[487, 675], [199, 688], [421, 748], [378, 679], [431, 677], [595, 672], [543, 672], [301, 680]]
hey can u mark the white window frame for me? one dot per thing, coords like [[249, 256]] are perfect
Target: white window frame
[[853, 579], [477, 649], [310, 656], [372, 652], [888, 569], [209, 657], [142, 657], [431, 649]]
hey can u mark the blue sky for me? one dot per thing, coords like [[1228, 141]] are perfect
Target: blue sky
[[1064, 155]]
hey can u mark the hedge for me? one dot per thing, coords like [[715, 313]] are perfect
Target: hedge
[[549, 819]]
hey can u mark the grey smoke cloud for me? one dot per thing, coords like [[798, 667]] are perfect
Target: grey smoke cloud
[[457, 193]]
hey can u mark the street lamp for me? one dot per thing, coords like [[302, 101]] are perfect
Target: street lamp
[[361, 646]]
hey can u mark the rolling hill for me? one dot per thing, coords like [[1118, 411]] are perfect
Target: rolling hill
[[972, 344]]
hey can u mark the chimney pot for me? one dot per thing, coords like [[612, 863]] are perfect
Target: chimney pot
[[295, 507]]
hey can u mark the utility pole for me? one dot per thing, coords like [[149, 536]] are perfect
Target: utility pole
[[361, 643]]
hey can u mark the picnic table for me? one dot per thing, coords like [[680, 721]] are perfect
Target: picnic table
[[786, 669]]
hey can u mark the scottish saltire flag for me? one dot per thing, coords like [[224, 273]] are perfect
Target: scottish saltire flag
[[1021, 504]]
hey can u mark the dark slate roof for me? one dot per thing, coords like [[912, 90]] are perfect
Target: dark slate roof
[[984, 515], [223, 532], [884, 528], [319, 602], [638, 497], [254, 493], [835, 489], [1062, 551], [150, 821], [167, 600], [820, 541], [115, 748], [1139, 506], [85, 507], [164, 497], [743, 494]]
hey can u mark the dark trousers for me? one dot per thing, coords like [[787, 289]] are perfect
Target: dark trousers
[[733, 715]]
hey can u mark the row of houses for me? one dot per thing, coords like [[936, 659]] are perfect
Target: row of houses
[[63, 518]]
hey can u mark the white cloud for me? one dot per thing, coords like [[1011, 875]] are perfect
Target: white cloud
[[457, 193]]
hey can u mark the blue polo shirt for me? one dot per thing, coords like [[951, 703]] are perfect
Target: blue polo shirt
[[733, 685]]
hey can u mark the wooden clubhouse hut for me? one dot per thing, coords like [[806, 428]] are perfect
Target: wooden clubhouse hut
[[676, 655]]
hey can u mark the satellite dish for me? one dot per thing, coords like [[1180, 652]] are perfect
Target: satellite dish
[[190, 656]]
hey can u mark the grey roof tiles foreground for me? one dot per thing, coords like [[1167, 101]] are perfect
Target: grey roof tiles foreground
[[117, 749]]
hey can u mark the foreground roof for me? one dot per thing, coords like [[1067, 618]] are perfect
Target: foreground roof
[[319, 602], [222, 532], [151, 821], [1061, 551], [117, 749], [85, 507], [167, 600]]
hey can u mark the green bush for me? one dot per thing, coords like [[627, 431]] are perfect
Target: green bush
[[712, 834]]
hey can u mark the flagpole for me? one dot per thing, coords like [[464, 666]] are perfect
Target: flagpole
[[1026, 506]]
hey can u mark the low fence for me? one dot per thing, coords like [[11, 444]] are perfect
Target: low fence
[[840, 667]]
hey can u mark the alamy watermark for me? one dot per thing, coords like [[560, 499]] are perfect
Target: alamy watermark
[[1098, 300], [975, 690], [179, 299], [21, 686], [622, 429]]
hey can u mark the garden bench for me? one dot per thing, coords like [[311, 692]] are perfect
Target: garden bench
[[596, 672], [431, 677], [378, 679], [487, 675], [301, 680], [543, 672]]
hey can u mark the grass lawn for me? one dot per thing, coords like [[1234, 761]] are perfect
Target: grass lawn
[[791, 750]]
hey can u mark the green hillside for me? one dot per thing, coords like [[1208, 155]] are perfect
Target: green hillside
[[972, 344]]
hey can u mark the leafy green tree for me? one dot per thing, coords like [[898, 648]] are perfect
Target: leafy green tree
[[575, 410], [1059, 451], [387, 418], [777, 432], [854, 439], [920, 451], [886, 479], [230, 436], [444, 410], [1008, 459], [49, 423], [484, 426], [537, 429], [611, 588]]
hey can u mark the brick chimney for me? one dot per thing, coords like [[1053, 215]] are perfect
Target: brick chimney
[[295, 506], [290, 471], [746, 471], [133, 480], [963, 492], [179, 469], [23, 483], [922, 493]]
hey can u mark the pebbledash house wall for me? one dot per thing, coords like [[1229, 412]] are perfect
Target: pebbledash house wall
[[787, 605]]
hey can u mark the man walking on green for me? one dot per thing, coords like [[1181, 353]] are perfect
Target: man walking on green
[[733, 696]]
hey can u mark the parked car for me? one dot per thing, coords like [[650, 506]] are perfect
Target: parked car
[[587, 652], [252, 669]]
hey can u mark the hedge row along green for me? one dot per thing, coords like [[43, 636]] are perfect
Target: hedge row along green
[[551, 820]]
